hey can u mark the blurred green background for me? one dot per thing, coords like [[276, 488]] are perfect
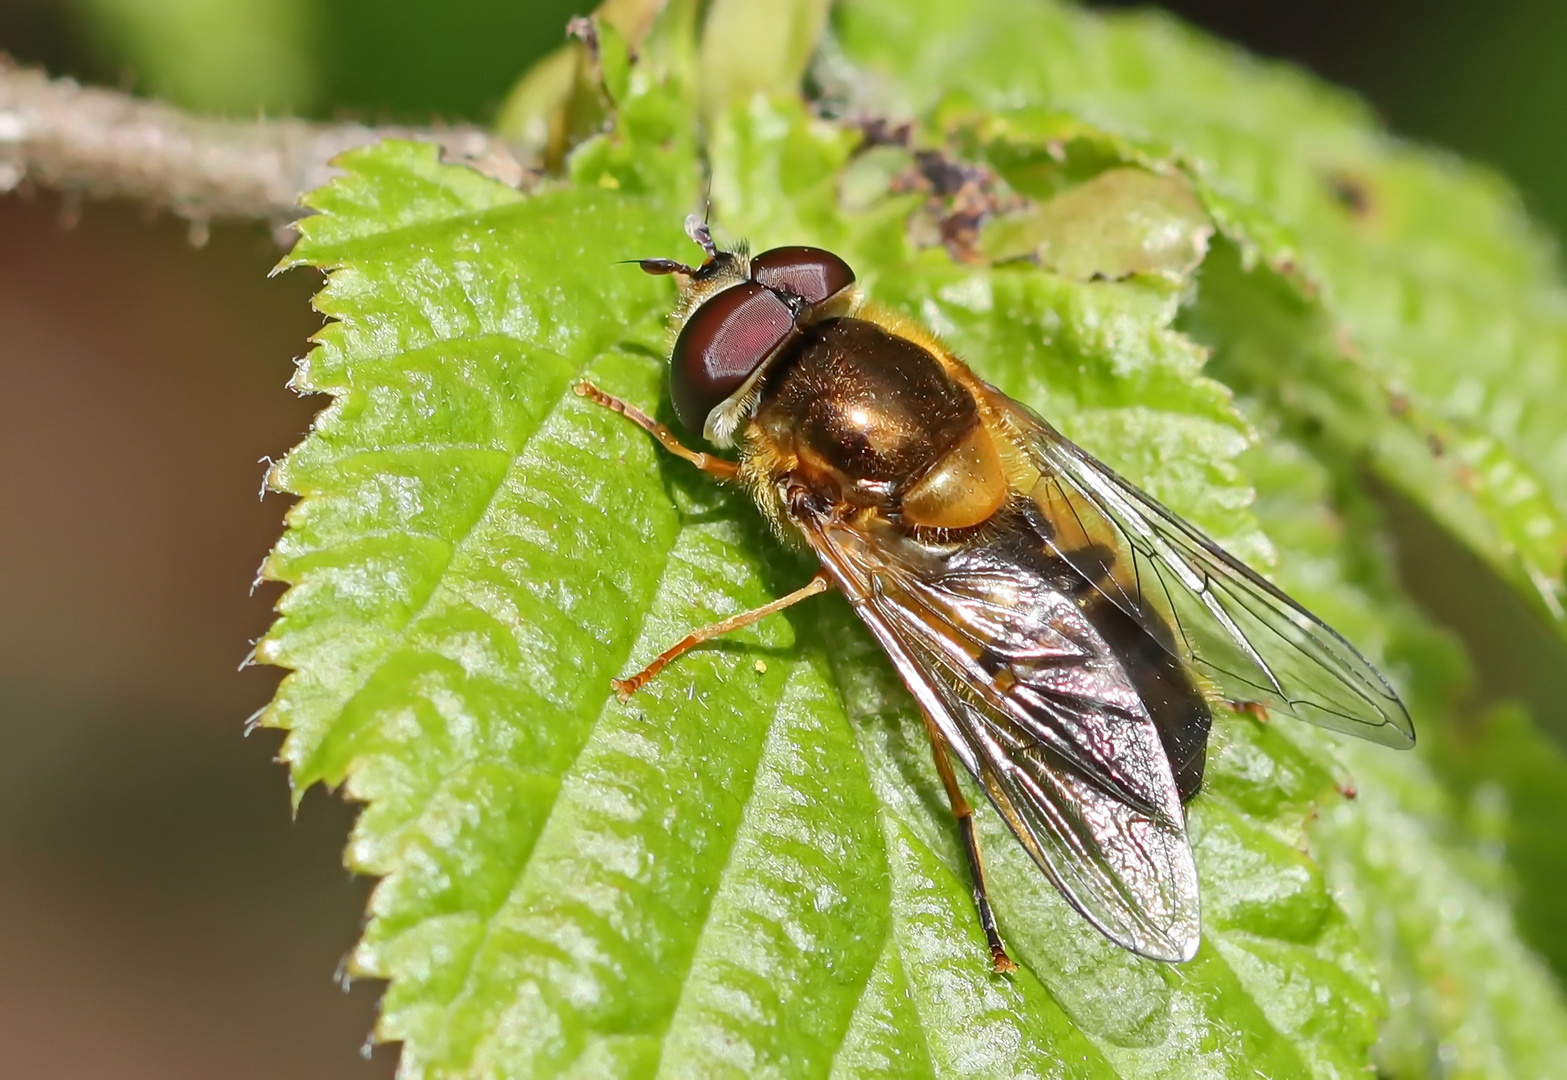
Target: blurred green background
[[160, 913]]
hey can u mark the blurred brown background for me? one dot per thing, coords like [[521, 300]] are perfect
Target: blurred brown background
[[161, 915]]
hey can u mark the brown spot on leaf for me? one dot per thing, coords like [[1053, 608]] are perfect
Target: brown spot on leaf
[[879, 131], [1467, 478], [960, 198], [1346, 344], [1350, 193]]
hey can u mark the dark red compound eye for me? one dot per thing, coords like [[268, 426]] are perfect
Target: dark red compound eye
[[721, 344], [809, 273]]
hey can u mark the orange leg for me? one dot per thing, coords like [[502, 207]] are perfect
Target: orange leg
[[1254, 709], [708, 463], [1000, 962], [624, 688], [724, 470]]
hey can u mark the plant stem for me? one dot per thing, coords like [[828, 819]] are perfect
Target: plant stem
[[97, 143]]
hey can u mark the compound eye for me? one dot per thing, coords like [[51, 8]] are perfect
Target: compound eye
[[723, 342], [810, 273]]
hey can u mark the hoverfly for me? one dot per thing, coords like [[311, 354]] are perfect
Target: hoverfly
[[1065, 635]]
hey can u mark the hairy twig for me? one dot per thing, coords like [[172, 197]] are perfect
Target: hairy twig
[[92, 142]]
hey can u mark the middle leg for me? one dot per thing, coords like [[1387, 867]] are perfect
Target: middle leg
[[624, 688], [1000, 962]]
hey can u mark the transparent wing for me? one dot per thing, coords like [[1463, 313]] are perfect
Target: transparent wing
[[1202, 604], [1037, 707]]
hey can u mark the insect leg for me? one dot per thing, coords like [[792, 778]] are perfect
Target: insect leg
[[708, 463], [624, 688], [1000, 961], [1254, 709]]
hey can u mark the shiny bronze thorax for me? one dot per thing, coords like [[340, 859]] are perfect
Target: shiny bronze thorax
[[871, 411], [875, 420]]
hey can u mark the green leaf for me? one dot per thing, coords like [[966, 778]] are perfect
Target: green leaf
[[749, 48], [1469, 1000], [750, 869], [479, 550], [225, 56], [1448, 319], [1119, 223], [1510, 785]]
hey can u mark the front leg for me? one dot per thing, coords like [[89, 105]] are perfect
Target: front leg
[[708, 463]]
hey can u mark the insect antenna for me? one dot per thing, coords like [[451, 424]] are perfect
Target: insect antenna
[[661, 266]]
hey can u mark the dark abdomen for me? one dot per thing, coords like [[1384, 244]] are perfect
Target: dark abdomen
[[1166, 687], [1177, 708]]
